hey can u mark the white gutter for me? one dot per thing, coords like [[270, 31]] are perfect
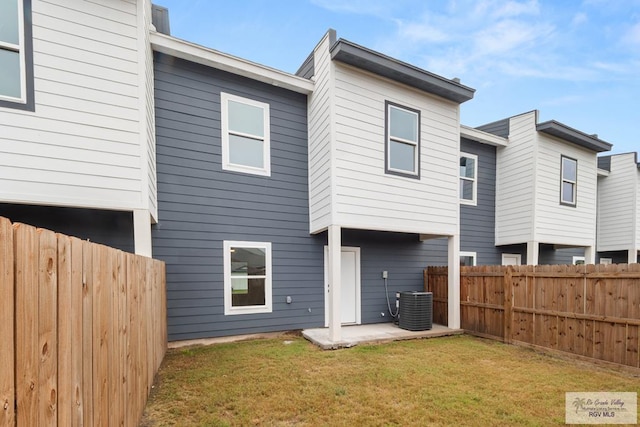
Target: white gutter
[[483, 137], [225, 62]]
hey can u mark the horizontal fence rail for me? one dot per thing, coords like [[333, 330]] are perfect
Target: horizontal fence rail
[[82, 327], [591, 311]]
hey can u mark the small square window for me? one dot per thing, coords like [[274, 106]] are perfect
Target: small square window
[[467, 259], [402, 141], [247, 277], [16, 55], [245, 135], [569, 181], [468, 178]]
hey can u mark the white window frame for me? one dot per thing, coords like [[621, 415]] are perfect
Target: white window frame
[[266, 154], [575, 260], [229, 309], [20, 49], [518, 258], [606, 261], [574, 182], [470, 254], [415, 173], [474, 180]]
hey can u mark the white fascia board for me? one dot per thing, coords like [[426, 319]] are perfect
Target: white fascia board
[[603, 172], [483, 137], [232, 64]]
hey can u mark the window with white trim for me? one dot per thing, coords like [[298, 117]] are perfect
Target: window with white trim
[[578, 260], [402, 141], [467, 259], [468, 178], [247, 277], [606, 261], [569, 181], [245, 135], [16, 62]]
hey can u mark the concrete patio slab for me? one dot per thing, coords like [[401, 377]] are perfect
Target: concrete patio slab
[[374, 333]]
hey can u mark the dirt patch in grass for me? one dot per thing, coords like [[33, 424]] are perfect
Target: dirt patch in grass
[[459, 380]]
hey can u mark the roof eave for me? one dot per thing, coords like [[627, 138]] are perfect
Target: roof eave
[[232, 64], [482, 136], [377, 63], [574, 136]]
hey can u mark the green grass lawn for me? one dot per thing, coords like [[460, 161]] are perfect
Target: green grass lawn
[[460, 380]]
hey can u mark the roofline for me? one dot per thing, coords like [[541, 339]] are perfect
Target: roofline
[[575, 136], [377, 63], [482, 136], [222, 61]]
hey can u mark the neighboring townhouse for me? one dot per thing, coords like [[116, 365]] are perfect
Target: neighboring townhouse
[[618, 234], [546, 191], [77, 119]]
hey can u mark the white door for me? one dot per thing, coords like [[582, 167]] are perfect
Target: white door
[[511, 259], [350, 286]]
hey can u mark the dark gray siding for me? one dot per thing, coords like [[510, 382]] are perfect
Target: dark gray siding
[[200, 205], [110, 228], [477, 223], [617, 257], [307, 70], [548, 255], [500, 128], [604, 162], [403, 256]]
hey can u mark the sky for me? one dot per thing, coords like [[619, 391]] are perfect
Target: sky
[[575, 61]]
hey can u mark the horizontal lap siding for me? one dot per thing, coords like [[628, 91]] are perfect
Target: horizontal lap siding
[[561, 224], [477, 223], [403, 256], [320, 126], [80, 147], [366, 197], [514, 183], [616, 204], [200, 205]]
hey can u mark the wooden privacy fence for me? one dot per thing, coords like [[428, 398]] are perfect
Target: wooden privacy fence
[[587, 310], [82, 330]]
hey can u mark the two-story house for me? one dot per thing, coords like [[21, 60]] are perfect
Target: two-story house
[[283, 198], [77, 142], [618, 234], [545, 191]]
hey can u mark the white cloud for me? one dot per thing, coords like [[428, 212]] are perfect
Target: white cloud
[[510, 35], [514, 8], [422, 32], [632, 36], [579, 19]]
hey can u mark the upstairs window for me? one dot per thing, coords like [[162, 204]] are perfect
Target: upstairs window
[[245, 135], [16, 63], [402, 143], [569, 181], [468, 178], [247, 277]]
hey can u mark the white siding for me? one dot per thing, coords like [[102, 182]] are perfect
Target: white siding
[[562, 224], [617, 199], [366, 197], [82, 145], [320, 131], [147, 108], [515, 185]]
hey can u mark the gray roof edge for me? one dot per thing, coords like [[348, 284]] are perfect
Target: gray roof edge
[[575, 136], [400, 71]]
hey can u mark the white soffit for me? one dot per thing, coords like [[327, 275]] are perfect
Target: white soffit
[[225, 62]]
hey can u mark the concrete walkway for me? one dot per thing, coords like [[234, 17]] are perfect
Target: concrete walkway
[[375, 333]]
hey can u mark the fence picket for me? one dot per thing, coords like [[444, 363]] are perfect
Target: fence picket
[[586, 310], [80, 341]]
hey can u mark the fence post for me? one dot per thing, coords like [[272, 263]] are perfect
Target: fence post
[[507, 285]]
